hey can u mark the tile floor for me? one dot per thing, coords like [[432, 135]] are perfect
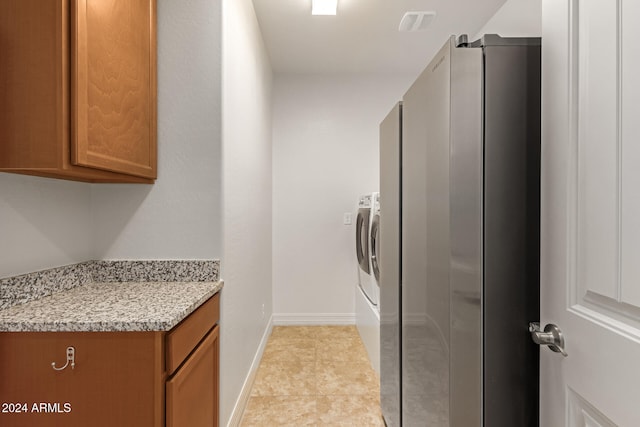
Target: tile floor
[[314, 376]]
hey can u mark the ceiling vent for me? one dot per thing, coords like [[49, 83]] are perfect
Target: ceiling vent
[[416, 21]]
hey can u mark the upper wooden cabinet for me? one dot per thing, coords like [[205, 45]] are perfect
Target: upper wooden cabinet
[[78, 89]]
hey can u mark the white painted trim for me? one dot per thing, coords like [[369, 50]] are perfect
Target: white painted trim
[[314, 319], [243, 397]]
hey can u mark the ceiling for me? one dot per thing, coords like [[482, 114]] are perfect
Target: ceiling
[[363, 37]]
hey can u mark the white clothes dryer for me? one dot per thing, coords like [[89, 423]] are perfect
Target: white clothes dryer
[[366, 282], [374, 245], [366, 293]]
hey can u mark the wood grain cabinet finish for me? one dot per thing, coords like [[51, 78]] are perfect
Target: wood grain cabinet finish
[[119, 378], [181, 340], [191, 401], [78, 89]]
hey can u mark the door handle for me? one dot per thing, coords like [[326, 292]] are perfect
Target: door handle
[[551, 337]]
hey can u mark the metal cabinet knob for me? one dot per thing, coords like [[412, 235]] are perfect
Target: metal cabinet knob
[[551, 337]]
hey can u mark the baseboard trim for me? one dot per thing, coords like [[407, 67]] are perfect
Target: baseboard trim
[[283, 319], [243, 398]]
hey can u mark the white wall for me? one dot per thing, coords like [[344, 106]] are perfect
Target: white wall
[[44, 223], [179, 217], [516, 18], [325, 155], [246, 264]]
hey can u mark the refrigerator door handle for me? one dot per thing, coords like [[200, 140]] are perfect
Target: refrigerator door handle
[[551, 337]]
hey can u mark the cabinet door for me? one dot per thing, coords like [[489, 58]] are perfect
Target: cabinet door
[[192, 393], [117, 379], [113, 64]]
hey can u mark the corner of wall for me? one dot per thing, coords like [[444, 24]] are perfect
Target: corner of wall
[[243, 398], [516, 18], [246, 203]]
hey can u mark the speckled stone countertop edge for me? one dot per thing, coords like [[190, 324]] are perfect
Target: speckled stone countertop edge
[[138, 325], [28, 287]]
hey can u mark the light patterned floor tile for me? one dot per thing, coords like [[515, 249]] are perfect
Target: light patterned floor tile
[[289, 350], [342, 351], [346, 379], [296, 332], [314, 376], [352, 411], [291, 411], [337, 332], [288, 379]]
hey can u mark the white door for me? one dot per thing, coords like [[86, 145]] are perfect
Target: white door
[[590, 265]]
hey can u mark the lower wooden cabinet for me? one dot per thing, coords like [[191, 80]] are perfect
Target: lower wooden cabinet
[[116, 379], [191, 401]]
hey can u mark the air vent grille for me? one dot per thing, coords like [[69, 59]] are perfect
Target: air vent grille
[[416, 21]]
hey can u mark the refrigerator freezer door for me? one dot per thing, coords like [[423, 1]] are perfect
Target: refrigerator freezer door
[[389, 262], [425, 245], [511, 237], [466, 174]]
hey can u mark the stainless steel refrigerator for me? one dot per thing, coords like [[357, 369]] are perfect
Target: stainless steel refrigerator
[[459, 243]]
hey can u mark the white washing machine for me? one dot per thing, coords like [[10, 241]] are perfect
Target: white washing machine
[[366, 281], [374, 245], [367, 291]]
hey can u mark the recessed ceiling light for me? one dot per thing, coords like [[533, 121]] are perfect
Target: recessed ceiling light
[[416, 21], [324, 7]]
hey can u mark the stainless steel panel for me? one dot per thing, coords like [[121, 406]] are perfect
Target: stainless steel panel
[[469, 238], [466, 175], [425, 246], [389, 262], [494, 233], [511, 232]]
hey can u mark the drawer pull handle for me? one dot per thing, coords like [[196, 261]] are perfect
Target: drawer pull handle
[[71, 357]]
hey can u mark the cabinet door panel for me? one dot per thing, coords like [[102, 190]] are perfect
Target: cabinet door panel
[[114, 85], [116, 381], [192, 393]]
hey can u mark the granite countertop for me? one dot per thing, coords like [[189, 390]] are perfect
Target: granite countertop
[[115, 306]]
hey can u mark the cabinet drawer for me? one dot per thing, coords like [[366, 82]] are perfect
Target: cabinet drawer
[[182, 339], [192, 394]]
